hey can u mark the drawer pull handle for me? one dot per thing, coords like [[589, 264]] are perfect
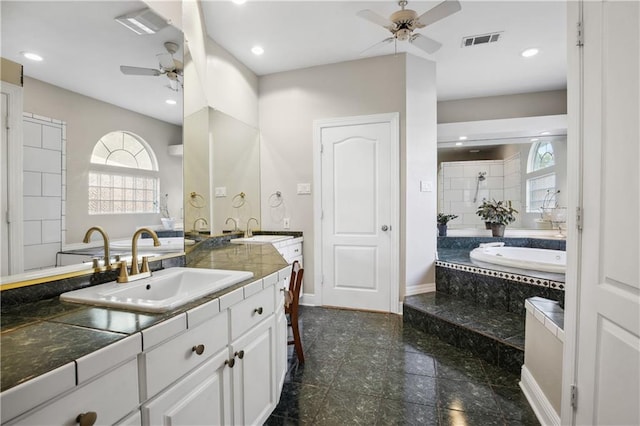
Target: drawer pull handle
[[230, 362], [258, 310], [239, 354], [87, 419], [199, 350]]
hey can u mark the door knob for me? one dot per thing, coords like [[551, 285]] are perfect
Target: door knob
[[385, 228], [87, 419]]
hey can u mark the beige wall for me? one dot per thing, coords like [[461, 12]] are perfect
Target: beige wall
[[289, 102], [87, 121], [11, 72], [508, 106]]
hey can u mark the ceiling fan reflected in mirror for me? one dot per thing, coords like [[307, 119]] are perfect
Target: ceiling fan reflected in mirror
[[403, 22], [167, 65]]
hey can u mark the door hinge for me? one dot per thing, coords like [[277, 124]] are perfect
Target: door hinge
[[579, 218], [321, 148], [579, 35], [321, 214], [574, 396], [322, 280]]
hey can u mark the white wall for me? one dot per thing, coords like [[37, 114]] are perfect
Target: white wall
[[289, 102], [87, 121], [419, 163]]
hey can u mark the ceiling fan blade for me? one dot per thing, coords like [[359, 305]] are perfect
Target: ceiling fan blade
[[425, 43], [373, 17], [139, 71], [166, 61], [441, 11], [377, 45]]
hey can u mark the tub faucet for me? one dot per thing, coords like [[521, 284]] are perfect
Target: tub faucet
[[235, 224], [249, 233], [105, 238], [137, 274]]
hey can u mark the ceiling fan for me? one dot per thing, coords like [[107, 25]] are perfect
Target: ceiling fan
[[403, 22], [169, 66]]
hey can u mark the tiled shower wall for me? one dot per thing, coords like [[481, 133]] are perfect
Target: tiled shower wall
[[44, 190], [457, 188]]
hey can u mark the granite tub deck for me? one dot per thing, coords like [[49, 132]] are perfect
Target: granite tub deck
[[41, 334], [478, 307]]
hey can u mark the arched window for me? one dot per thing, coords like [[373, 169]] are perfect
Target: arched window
[[123, 176], [541, 176]]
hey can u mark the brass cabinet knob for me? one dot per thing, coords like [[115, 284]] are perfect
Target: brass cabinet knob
[[239, 354], [199, 350], [230, 362], [87, 419], [258, 310]]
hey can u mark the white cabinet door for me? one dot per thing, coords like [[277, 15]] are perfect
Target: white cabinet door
[[254, 378], [200, 398], [281, 346]]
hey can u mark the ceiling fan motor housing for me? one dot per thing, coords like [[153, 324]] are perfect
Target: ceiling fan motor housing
[[404, 23]]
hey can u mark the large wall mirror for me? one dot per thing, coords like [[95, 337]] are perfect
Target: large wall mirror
[[77, 96], [522, 160]]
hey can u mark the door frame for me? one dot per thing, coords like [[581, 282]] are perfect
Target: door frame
[[14, 172], [394, 121]]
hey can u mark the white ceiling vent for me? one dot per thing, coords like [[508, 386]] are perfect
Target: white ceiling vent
[[481, 39], [142, 22]]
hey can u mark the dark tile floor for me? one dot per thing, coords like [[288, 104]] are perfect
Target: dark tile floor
[[370, 369]]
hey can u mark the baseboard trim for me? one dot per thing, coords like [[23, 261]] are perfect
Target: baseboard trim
[[537, 399], [308, 300], [419, 289]]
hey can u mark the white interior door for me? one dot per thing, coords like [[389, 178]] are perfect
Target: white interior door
[[359, 187], [608, 323]]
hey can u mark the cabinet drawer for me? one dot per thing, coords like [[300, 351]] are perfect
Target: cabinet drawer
[[168, 362], [111, 396], [251, 311]]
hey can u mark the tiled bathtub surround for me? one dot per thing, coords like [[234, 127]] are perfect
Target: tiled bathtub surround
[[549, 313], [457, 188]]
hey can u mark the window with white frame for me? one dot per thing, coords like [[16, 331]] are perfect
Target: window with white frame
[[123, 176], [541, 175]]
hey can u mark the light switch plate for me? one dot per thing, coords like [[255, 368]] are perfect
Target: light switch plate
[[426, 186], [221, 191], [304, 188], [285, 223]]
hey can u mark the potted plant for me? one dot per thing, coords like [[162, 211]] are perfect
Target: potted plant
[[443, 219], [485, 210], [499, 214]]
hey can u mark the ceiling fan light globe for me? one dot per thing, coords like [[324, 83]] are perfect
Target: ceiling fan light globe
[[403, 34]]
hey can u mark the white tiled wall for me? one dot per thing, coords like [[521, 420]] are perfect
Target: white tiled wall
[[44, 190], [457, 188]]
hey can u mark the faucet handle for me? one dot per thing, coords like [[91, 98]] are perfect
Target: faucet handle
[[145, 264], [124, 275]]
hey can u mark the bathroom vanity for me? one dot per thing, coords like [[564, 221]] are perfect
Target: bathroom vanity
[[218, 360]]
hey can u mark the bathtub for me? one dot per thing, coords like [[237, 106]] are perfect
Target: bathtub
[[521, 257]]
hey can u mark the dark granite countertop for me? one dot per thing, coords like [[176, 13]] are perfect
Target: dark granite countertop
[[41, 336]]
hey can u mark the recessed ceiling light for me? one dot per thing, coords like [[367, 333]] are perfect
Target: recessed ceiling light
[[534, 139], [458, 143], [170, 101], [474, 151], [530, 52], [462, 138], [257, 50], [239, 1], [545, 133], [32, 56]]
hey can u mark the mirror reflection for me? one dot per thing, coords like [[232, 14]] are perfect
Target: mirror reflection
[[529, 171], [96, 141]]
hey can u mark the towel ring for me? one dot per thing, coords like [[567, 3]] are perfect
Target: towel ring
[[238, 200], [197, 200], [275, 199]]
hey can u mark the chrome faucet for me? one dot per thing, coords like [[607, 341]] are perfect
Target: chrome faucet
[[195, 223], [249, 233], [105, 238], [235, 224], [137, 274]]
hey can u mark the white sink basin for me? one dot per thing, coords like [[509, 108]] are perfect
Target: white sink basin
[[165, 290], [261, 239]]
